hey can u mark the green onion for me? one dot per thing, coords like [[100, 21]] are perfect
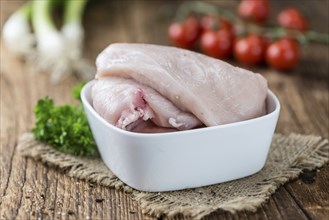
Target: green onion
[[72, 29], [73, 33], [50, 41], [58, 52], [17, 34], [51, 48]]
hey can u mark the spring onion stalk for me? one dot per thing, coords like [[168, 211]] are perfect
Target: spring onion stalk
[[51, 50], [17, 34], [50, 42], [58, 52], [72, 29], [73, 33]]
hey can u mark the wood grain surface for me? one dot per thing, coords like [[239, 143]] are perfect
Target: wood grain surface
[[31, 190]]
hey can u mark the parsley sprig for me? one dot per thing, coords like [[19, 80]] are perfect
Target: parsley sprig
[[64, 127]]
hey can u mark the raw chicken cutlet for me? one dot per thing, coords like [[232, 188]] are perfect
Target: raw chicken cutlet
[[141, 87]]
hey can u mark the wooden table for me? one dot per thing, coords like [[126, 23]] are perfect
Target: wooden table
[[30, 189]]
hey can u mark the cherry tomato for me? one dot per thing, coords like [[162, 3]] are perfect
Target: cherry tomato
[[184, 34], [217, 44], [250, 50], [283, 54], [292, 18], [209, 22], [257, 10], [225, 24]]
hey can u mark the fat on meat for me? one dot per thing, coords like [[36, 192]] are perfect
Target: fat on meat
[[189, 88]]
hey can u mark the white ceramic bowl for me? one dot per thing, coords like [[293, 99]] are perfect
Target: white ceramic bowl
[[184, 159]]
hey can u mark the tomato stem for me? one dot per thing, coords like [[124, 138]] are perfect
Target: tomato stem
[[202, 8], [317, 37], [198, 7], [303, 37]]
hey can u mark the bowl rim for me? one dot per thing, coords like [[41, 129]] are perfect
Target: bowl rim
[[88, 105]]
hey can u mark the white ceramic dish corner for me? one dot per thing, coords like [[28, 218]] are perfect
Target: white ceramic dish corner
[[185, 159]]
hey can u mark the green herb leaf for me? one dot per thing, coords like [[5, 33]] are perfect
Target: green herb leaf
[[76, 91], [64, 127]]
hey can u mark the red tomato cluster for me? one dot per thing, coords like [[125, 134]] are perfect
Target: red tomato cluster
[[217, 37], [282, 54]]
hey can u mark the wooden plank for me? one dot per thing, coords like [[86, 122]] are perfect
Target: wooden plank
[[311, 196]]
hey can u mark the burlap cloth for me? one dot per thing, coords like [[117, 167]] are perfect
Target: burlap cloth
[[288, 157]]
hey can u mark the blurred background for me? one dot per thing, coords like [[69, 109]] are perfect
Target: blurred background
[[106, 22]]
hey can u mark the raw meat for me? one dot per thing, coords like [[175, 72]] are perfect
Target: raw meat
[[173, 88], [127, 104]]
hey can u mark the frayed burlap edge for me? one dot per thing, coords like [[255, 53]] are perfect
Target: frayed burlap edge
[[92, 170], [312, 153], [316, 155]]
